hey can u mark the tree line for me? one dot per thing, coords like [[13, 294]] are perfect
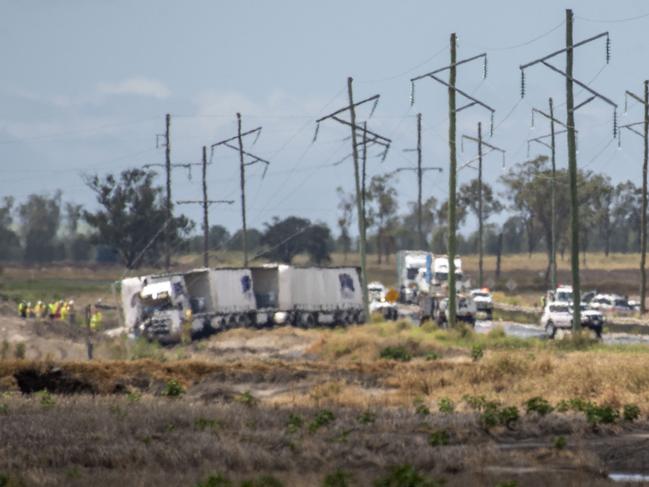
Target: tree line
[[130, 222]]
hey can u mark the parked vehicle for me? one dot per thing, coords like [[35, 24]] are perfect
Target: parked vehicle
[[558, 315], [420, 272], [465, 310], [611, 303], [483, 301], [378, 304]]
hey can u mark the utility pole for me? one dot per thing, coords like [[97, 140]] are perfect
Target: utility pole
[[571, 140], [481, 143], [205, 203], [168, 168], [420, 170], [553, 192], [643, 217], [358, 177], [453, 110], [242, 172]]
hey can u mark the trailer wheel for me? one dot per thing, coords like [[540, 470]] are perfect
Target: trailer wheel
[[550, 330], [244, 321], [232, 322]]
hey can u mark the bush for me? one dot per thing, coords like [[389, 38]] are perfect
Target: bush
[[396, 353], [262, 481], [431, 356], [630, 412], [577, 404], [47, 400], [339, 478], [367, 417], [20, 351], [538, 405], [322, 418], [438, 438], [446, 406], [508, 415], [173, 388], [405, 476], [601, 414], [477, 352], [294, 423], [247, 399], [476, 403], [559, 443], [420, 408], [217, 480], [493, 415]]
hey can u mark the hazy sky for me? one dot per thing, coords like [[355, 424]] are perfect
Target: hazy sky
[[85, 85]]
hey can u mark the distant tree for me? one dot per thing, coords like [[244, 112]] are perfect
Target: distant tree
[[77, 246], [406, 233], [382, 207], [346, 205], [218, 237], [40, 217], [284, 239], [9, 241], [253, 239], [133, 217]]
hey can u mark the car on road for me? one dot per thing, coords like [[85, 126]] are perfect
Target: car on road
[[557, 315], [483, 301], [611, 303]]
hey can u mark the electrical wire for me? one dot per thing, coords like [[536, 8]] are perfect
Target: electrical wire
[[522, 44], [613, 21]]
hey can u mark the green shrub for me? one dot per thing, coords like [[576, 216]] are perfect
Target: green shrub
[[202, 424], [438, 438], [339, 478], [247, 399], [508, 415], [4, 409], [630, 412], [559, 443], [396, 353], [20, 351], [262, 481], [294, 423], [322, 418], [420, 407], [47, 400], [476, 403], [507, 483], [431, 356], [173, 388], [601, 414], [477, 352], [405, 476], [576, 404], [367, 417], [446, 406], [217, 480], [538, 405]]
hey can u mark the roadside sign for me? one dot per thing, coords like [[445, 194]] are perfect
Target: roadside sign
[[392, 296]]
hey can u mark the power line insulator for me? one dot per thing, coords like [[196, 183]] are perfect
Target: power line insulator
[[608, 49], [522, 84], [412, 93]]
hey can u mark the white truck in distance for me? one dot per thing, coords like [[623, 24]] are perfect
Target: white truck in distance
[[423, 272]]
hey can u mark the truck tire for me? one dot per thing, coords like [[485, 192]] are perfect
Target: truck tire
[[550, 330]]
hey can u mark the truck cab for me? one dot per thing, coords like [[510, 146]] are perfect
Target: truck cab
[[164, 303]]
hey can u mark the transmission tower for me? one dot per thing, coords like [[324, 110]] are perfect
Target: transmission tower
[[205, 202], [419, 170], [453, 110], [643, 217], [478, 140], [252, 159], [571, 108], [553, 192], [360, 192]]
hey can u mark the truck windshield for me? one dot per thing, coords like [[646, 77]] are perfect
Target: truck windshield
[[150, 304], [564, 296], [412, 272]]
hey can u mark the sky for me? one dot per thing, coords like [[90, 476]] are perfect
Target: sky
[[86, 84]]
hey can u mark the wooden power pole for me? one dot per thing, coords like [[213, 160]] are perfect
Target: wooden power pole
[[481, 143], [359, 173], [169, 208], [242, 173], [453, 110], [205, 203], [420, 170], [643, 216], [571, 108]]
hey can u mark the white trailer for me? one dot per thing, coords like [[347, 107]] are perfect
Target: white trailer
[[306, 296]]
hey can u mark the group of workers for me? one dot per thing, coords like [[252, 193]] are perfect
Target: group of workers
[[63, 310]]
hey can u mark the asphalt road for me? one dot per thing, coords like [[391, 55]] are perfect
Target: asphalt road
[[522, 330]]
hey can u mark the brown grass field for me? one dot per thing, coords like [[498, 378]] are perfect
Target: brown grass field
[[307, 407]]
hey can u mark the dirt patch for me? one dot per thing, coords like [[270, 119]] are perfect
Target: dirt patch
[[54, 380]]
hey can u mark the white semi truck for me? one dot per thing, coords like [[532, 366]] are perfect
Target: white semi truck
[[419, 271], [160, 307]]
